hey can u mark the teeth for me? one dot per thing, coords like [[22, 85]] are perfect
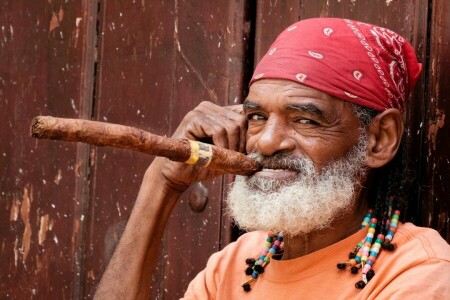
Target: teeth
[[274, 170]]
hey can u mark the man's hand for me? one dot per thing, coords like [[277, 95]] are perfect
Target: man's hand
[[222, 126]]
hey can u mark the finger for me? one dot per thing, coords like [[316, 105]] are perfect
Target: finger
[[232, 133], [231, 119], [238, 108], [240, 120], [205, 126], [225, 126], [219, 134]]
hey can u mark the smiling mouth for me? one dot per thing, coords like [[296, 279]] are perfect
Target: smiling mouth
[[278, 174]]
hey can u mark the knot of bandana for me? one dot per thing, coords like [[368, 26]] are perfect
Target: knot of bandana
[[354, 61]]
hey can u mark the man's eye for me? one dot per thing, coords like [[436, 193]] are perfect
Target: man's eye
[[255, 117], [307, 121]]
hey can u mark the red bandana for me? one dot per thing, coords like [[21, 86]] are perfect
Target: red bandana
[[354, 61]]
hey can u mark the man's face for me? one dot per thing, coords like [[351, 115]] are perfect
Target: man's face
[[312, 153], [287, 117]]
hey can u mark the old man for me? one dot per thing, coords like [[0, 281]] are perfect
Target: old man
[[324, 119]]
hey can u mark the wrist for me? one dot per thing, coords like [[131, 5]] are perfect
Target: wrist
[[161, 173]]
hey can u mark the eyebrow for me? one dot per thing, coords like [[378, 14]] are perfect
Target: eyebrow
[[311, 108], [306, 107], [249, 104]]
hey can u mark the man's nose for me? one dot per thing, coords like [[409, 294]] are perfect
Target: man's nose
[[274, 138]]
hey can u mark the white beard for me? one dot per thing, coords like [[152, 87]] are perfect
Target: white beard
[[309, 203]]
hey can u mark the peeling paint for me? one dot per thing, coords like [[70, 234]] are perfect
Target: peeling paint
[[388, 2], [58, 177], [74, 107], [118, 209], [91, 275], [43, 229], [16, 252], [56, 19], [77, 21], [435, 124], [78, 168], [25, 216], [14, 211]]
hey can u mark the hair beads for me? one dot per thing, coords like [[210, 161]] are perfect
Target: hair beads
[[379, 236], [272, 249], [365, 254]]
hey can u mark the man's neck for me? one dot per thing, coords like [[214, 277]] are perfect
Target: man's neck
[[339, 229]]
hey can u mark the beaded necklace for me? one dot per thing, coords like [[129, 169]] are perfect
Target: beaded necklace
[[362, 257], [272, 249]]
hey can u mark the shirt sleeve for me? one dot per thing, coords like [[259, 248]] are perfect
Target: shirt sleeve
[[219, 278], [198, 288], [204, 285]]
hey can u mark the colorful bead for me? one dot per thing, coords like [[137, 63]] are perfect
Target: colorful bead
[[365, 254], [273, 246], [366, 268]]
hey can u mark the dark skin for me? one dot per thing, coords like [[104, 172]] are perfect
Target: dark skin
[[279, 117]]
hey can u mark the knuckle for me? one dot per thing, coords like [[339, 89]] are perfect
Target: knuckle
[[220, 129], [203, 105], [232, 128]]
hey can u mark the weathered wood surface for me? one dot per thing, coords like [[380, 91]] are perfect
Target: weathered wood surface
[[434, 204], [179, 53], [42, 63]]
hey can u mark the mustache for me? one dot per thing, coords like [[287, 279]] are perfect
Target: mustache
[[285, 162]]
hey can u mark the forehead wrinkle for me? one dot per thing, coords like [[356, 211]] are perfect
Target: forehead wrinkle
[[306, 108]]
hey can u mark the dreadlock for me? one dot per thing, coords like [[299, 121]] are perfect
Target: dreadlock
[[392, 185], [394, 180]]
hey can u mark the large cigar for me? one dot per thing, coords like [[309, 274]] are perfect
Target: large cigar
[[119, 136]]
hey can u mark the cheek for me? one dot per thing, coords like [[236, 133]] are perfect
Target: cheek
[[325, 152], [250, 143], [253, 133]]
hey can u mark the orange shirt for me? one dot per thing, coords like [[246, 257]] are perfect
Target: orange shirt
[[418, 269]]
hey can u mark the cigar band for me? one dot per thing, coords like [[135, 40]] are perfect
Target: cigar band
[[201, 154]]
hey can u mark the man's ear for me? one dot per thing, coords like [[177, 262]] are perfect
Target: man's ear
[[384, 134]]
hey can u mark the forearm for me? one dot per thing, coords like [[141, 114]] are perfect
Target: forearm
[[129, 272]]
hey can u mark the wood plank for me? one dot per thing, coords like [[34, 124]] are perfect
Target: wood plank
[[435, 203], [133, 88], [271, 18], [41, 53], [150, 73]]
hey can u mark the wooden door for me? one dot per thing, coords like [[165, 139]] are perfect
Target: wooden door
[[157, 61]]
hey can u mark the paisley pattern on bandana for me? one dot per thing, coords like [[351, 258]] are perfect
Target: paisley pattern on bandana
[[358, 62]]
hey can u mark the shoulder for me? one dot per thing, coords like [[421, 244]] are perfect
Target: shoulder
[[419, 267], [425, 242]]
